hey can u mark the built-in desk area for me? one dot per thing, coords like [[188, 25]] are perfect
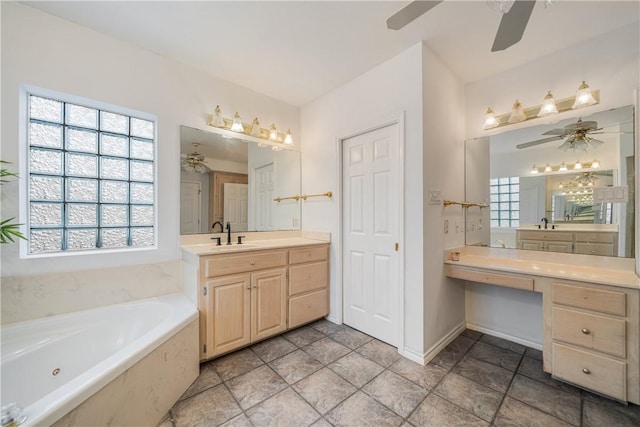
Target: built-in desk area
[[591, 312]]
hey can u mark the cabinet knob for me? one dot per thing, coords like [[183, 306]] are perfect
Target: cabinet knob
[[586, 331], [586, 371], [252, 262]]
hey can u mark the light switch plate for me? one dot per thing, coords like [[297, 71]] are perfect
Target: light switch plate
[[435, 197]]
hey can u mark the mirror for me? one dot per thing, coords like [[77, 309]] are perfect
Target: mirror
[[584, 199], [238, 182]]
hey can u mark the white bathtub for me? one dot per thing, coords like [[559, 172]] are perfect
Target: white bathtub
[[52, 365]]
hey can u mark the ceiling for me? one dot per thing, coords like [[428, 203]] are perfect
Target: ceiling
[[296, 51]]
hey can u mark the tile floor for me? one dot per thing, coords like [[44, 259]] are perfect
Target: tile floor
[[325, 374]]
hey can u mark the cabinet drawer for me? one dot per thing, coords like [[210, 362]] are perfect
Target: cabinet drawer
[[603, 249], [305, 308], [316, 253], [308, 277], [590, 331], [591, 299], [479, 276], [598, 373], [221, 265], [546, 235], [595, 237]]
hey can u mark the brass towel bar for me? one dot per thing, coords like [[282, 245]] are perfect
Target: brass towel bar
[[303, 196], [465, 204]]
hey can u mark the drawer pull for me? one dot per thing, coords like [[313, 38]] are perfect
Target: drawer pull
[[586, 331], [252, 262], [586, 371]]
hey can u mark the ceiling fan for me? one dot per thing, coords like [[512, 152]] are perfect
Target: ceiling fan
[[576, 134], [514, 20], [194, 162]]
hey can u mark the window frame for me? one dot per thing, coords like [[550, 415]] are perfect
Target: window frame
[[24, 197]]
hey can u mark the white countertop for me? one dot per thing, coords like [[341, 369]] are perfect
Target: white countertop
[[210, 248], [584, 268]]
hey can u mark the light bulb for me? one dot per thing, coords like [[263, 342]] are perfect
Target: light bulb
[[534, 170], [288, 139], [273, 133], [584, 97], [490, 119], [548, 106], [236, 126], [595, 164], [547, 168], [563, 167], [578, 165], [517, 113]]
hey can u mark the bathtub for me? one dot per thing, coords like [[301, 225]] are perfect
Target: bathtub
[[52, 367]]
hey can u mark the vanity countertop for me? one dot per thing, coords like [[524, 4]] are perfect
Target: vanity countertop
[[248, 246], [583, 268], [569, 228]]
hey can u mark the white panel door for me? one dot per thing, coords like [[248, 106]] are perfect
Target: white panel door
[[189, 207], [264, 197], [235, 205], [371, 209]]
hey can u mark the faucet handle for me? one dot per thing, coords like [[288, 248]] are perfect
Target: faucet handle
[[217, 239], [240, 239]]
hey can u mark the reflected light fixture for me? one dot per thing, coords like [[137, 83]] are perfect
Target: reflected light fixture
[[584, 97], [490, 120], [562, 167], [517, 113], [578, 165], [194, 162], [595, 164], [288, 138], [534, 170], [236, 126], [273, 133], [548, 106], [547, 168], [216, 118], [255, 128]]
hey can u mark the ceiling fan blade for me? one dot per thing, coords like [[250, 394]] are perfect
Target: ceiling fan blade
[[595, 143], [412, 11], [568, 143], [512, 25], [537, 142], [554, 132]]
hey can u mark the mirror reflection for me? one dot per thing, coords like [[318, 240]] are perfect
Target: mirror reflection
[[233, 180], [561, 187]]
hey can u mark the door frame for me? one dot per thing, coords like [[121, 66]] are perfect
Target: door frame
[[372, 125]]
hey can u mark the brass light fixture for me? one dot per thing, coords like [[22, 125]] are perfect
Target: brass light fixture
[[583, 98], [235, 124]]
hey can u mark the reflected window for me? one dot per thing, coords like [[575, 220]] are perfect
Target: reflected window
[[504, 196], [90, 184]]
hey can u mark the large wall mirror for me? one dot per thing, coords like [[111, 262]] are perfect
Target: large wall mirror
[[226, 179], [561, 187]]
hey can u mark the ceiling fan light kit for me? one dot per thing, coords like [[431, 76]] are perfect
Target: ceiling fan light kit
[[264, 137], [194, 162], [584, 97]]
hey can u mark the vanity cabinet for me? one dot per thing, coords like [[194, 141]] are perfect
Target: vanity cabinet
[[594, 332], [245, 297], [545, 240], [597, 243]]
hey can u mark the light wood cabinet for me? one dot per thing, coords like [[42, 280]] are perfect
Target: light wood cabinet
[[603, 243], [244, 297], [594, 338]]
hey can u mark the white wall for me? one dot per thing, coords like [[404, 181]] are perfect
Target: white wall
[[45, 51], [609, 63], [380, 95]]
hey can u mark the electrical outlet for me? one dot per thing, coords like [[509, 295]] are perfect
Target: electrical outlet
[[446, 226]]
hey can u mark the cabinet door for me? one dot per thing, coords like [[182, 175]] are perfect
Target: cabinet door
[[268, 303], [228, 314], [566, 247], [532, 245]]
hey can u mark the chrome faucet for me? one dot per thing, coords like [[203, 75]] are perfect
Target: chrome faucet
[[546, 221], [12, 415], [228, 233], [214, 226]]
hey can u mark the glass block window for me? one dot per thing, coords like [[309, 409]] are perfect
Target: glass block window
[[91, 177], [504, 194]]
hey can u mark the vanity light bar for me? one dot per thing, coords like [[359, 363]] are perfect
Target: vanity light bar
[[563, 167], [236, 125], [583, 98]]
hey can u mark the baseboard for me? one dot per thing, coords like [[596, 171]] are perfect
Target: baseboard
[[424, 358], [332, 319], [532, 344]]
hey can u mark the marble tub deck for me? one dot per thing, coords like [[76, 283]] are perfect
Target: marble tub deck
[[325, 374]]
